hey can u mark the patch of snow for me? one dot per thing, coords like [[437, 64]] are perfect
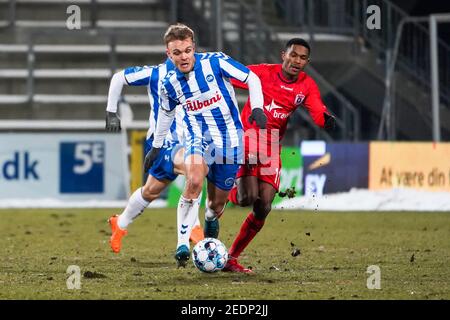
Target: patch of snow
[[369, 200]]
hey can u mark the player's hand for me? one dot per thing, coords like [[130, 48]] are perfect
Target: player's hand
[[112, 122], [330, 122], [259, 117], [150, 157]]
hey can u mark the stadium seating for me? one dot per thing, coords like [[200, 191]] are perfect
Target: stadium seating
[[48, 70]]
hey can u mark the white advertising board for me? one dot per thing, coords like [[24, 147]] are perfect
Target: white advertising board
[[64, 166]]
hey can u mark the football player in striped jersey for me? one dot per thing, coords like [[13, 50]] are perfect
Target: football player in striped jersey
[[212, 126], [168, 165]]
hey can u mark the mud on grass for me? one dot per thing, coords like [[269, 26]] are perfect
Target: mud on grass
[[335, 249]]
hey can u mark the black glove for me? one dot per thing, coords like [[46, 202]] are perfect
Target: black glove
[[259, 117], [150, 157], [330, 122], [112, 122]]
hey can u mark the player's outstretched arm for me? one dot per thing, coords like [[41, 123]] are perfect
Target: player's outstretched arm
[[165, 119], [256, 101], [112, 122], [166, 115], [317, 109], [115, 90]]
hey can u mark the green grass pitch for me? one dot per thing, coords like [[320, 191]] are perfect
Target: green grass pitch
[[412, 251]]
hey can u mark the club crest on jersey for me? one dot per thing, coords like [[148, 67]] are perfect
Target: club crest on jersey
[[210, 78], [299, 99], [197, 105]]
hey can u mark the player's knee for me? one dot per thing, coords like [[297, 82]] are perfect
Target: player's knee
[[246, 198], [194, 184]]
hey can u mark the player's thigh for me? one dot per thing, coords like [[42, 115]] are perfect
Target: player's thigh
[[267, 192], [221, 179], [179, 166], [195, 164], [196, 171]]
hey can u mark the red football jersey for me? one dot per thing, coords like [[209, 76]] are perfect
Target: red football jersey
[[282, 97]]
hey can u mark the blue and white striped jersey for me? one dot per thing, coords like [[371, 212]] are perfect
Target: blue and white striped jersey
[[151, 76], [210, 108]]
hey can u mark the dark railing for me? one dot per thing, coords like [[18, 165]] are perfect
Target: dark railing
[[95, 6], [256, 38], [258, 42], [349, 17], [106, 37]]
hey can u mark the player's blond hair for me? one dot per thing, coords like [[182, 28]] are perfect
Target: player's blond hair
[[178, 31]]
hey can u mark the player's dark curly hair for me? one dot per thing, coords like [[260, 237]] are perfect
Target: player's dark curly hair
[[300, 42], [178, 31]]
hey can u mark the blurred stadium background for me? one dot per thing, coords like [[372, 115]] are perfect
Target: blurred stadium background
[[54, 85]]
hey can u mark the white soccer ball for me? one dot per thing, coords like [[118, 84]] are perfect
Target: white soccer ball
[[210, 255]]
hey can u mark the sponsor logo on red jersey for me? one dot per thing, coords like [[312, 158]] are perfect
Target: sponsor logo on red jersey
[[277, 111], [286, 88]]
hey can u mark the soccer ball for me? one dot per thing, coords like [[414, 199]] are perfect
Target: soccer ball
[[209, 255]]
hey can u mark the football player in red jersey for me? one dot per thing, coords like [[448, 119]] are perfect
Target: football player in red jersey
[[286, 87]]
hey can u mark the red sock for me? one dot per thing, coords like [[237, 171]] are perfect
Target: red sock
[[249, 229], [232, 196]]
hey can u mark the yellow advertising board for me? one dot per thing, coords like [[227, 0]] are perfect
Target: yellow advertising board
[[136, 159], [417, 165]]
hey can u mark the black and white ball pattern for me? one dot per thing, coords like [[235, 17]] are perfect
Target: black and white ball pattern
[[210, 255]]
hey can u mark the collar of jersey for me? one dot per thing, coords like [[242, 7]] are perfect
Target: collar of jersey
[[282, 78]]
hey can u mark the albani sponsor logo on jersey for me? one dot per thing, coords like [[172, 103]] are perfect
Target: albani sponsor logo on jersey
[[195, 105], [280, 114]]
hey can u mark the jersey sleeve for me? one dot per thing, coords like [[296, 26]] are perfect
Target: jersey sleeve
[[257, 69], [314, 104], [138, 76], [167, 101], [233, 69]]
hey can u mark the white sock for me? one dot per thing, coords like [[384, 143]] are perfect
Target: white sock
[[135, 206], [187, 214], [210, 215], [197, 222]]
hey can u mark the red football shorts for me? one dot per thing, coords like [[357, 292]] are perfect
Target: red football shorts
[[267, 172]]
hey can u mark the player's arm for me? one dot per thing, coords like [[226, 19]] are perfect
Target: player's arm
[[255, 68], [235, 70], [317, 109], [115, 90], [132, 76], [166, 116], [256, 101]]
